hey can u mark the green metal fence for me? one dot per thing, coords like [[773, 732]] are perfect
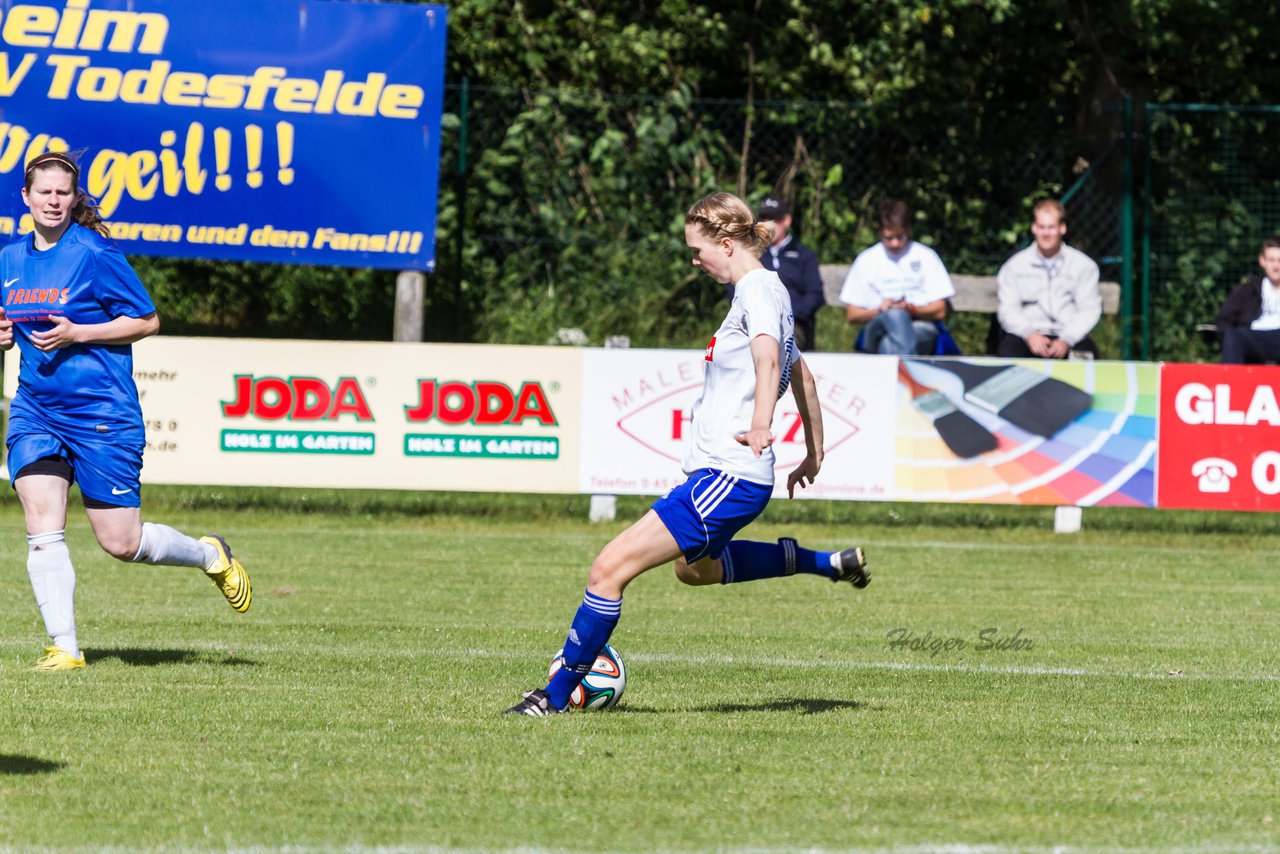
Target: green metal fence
[[564, 209], [1211, 194]]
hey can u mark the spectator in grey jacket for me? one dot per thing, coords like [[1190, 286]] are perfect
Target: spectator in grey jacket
[[1047, 295]]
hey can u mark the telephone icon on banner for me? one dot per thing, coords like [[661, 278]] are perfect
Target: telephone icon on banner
[[1215, 474]]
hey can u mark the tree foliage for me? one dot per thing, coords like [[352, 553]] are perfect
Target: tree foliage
[[592, 125]]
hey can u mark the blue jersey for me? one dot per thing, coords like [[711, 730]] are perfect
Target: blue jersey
[[83, 387]]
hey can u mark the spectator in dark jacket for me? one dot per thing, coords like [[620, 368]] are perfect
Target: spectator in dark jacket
[[1249, 321], [796, 265]]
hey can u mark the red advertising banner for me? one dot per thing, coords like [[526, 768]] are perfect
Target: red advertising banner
[[1219, 445]]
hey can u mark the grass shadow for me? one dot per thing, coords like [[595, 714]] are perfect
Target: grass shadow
[[797, 705], [11, 764], [155, 657], [803, 706]]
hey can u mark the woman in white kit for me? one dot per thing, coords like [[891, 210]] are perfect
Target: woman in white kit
[[750, 362]]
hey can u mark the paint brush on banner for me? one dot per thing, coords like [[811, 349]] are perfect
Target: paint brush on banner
[[963, 435], [1030, 400]]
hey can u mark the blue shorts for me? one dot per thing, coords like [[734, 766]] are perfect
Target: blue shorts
[[707, 510], [108, 469]]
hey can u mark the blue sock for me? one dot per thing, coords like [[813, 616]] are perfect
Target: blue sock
[[748, 561], [588, 634]]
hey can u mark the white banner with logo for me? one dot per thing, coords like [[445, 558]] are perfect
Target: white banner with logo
[[637, 405]]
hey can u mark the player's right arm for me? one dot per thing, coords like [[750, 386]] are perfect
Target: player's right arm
[[764, 354]]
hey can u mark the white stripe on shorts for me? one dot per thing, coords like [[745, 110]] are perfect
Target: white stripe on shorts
[[706, 503]]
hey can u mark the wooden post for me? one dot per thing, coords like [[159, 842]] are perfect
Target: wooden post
[[411, 292]]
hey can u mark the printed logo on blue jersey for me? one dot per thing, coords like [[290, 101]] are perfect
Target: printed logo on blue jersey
[[34, 303]]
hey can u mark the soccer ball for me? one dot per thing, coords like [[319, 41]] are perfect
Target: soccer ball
[[603, 686]]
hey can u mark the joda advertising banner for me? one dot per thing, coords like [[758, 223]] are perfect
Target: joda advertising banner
[[356, 415], [302, 132]]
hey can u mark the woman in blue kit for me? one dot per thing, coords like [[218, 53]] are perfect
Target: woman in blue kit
[[73, 305], [750, 362]]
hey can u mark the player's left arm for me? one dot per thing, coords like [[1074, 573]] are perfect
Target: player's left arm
[[805, 390], [118, 330]]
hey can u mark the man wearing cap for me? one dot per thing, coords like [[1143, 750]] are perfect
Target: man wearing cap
[[796, 265]]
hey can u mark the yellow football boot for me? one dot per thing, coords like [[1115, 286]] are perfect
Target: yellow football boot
[[229, 575], [57, 658]]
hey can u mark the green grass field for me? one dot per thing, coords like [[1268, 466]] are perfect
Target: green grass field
[[357, 704]]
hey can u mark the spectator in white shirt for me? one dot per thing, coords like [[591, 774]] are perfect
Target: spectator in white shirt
[[899, 288]]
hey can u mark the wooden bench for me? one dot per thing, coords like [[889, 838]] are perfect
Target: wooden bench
[[973, 293]]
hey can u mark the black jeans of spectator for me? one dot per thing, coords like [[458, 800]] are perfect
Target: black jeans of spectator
[[1016, 348], [1244, 346], [804, 334]]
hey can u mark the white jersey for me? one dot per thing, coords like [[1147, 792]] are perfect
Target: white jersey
[[1269, 320], [761, 306], [917, 276]]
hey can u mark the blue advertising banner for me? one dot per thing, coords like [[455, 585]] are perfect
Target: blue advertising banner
[[299, 132]]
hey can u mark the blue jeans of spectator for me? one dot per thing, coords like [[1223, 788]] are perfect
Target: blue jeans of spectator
[[896, 333]]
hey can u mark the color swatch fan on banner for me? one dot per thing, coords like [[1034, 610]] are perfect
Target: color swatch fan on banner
[[1101, 456], [1034, 402], [961, 433]]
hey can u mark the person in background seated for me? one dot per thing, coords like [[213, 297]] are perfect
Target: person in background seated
[[796, 265], [899, 288], [1249, 321], [1047, 295]]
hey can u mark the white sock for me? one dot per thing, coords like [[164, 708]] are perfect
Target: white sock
[[53, 579], [166, 546]]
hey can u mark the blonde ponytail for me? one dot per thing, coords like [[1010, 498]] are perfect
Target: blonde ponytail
[[725, 215]]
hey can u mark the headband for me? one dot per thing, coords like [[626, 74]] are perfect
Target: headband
[[54, 157]]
